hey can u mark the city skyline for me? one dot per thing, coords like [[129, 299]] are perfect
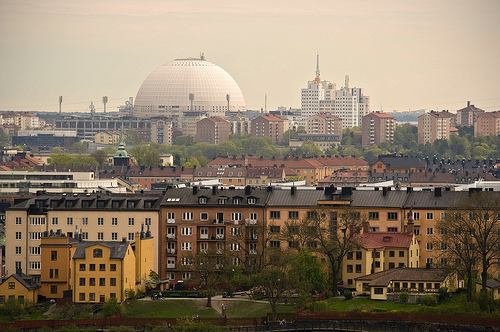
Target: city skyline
[[405, 55]]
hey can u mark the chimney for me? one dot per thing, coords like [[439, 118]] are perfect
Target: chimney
[[468, 103], [124, 239], [248, 190], [214, 190], [195, 190], [384, 191], [292, 190], [437, 192]]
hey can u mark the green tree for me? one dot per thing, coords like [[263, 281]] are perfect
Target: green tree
[[4, 138], [56, 149], [192, 163], [186, 140], [110, 308], [153, 280], [133, 137], [61, 159], [307, 275], [100, 156], [145, 155], [275, 283], [308, 148], [79, 147]]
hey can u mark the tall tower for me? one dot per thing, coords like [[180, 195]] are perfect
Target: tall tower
[[317, 79], [121, 156], [104, 101]]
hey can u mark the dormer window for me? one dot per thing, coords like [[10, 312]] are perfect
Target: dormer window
[[222, 200], [97, 253], [236, 201], [101, 204], [251, 200], [209, 173], [130, 204], [116, 204], [148, 204], [202, 200], [230, 173]]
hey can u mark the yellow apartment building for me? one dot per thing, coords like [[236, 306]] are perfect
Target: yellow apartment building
[[20, 287]]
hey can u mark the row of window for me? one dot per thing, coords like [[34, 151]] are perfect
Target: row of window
[[102, 267], [102, 297], [204, 216], [92, 281]]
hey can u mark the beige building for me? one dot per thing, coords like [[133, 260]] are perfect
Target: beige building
[[466, 117], [433, 126], [109, 137], [324, 123], [377, 127], [96, 217], [487, 123]]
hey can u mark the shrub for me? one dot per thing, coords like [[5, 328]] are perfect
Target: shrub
[[404, 297], [320, 306], [129, 293], [348, 294], [428, 300], [461, 290], [110, 307], [361, 308], [443, 293]]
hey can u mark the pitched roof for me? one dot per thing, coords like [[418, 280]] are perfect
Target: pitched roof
[[378, 240], [490, 283], [384, 278], [23, 279], [381, 115], [401, 161], [118, 249]]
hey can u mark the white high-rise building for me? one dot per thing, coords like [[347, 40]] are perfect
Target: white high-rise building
[[351, 105]]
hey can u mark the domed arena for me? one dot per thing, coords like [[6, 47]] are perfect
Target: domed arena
[[188, 85]]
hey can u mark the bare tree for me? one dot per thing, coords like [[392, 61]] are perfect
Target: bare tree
[[298, 233], [334, 232]]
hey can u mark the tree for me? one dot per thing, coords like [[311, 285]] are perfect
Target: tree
[[79, 147], [335, 233], [4, 138], [307, 275], [207, 268], [310, 149], [100, 156], [275, 283], [133, 137], [153, 280], [145, 155], [192, 163], [110, 308], [186, 140]]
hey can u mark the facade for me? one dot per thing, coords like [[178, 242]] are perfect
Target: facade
[[45, 139], [466, 117], [319, 96], [487, 123], [183, 85], [398, 164], [433, 126], [346, 178], [379, 251], [413, 280], [377, 127], [324, 123], [322, 141], [20, 287], [95, 217], [212, 130], [351, 105], [109, 137], [269, 125]]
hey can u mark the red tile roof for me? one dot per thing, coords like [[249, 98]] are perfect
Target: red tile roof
[[378, 240]]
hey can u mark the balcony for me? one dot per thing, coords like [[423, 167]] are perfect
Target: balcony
[[170, 221], [219, 237], [250, 222], [170, 236], [170, 251], [204, 236], [171, 266]]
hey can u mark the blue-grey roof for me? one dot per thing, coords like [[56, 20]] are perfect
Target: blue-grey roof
[[118, 249]]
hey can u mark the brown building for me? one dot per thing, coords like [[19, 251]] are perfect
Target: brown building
[[377, 127], [466, 117], [487, 123], [433, 126], [212, 130], [226, 222], [269, 125], [324, 123], [392, 163]]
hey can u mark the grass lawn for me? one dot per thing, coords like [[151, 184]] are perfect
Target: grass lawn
[[169, 309], [255, 309]]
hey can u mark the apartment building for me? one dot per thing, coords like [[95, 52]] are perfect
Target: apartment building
[[377, 127], [108, 137], [433, 126], [269, 125], [487, 123], [212, 130], [227, 222], [324, 123], [403, 164], [466, 117], [95, 217]]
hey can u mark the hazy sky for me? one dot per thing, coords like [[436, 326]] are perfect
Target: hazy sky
[[428, 54]]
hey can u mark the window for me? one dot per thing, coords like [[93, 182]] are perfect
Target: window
[[100, 236], [236, 200], [112, 267], [102, 281], [18, 250], [222, 200], [416, 215], [429, 246], [204, 216], [373, 215], [82, 267], [53, 289], [274, 244], [92, 297], [186, 231], [236, 216], [430, 260], [147, 221], [416, 230], [114, 221], [293, 214], [112, 281], [202, 200], [97, 253], [12, 285], [69, 221], [91, 267], [274, 214], [274, 229], [85, 221], [82, 296], [430, 231], [19, 220], [19, 236], [392, 265], [91, 281], [131, 236], [392, 216], [293, 244], [253, 216], [53, 255], [251, 200], [102, 267], [359, 255], [444, 246], [114, 236], [377, 264], [234, 247], [131, 221], [391, 253], [430, 216], [392, 229], [311, 214], [349, 269], [234, 231], [358, 268], [55, 221], [401, 253], [186, 246], [187, 216], [34, 265], [100, 221], [350, 255]]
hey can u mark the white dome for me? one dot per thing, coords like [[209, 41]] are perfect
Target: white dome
[[167, 90]]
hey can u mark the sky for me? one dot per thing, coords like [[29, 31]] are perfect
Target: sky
[[406, 55]]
